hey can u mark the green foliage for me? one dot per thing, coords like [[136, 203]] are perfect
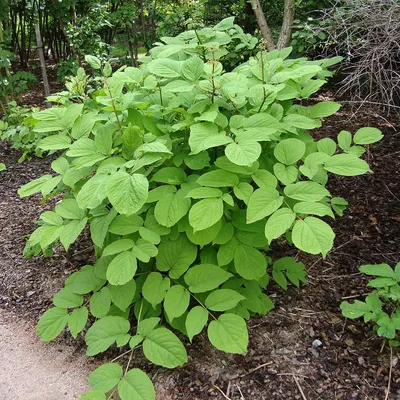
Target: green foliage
[[173, 166], [382, 305], [16, 127], [67, 68]]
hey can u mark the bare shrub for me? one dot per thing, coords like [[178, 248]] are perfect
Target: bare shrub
[[367, 34]]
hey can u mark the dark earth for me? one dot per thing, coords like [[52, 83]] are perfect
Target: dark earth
[[304, 349]]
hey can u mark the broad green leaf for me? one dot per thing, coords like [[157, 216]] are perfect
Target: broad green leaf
[[223, 299], [93, 192], [178, 86], [383, 270], [50, 235], [218, 178], [327, 146], [171, 208], [319, 209], [176, 256], [344, 140], [165, 68], [170, 175], [313, 236], [118, 247], [229, 334], [197, 161], [155, 288], [243, 153], [263, 202], [295, 272], [226, 165], [164, 348], [278, 223], [176, 301], [144, 250], [195, 321], [306, 191], [204, 193], [104, 332], [83, 125], [147, 325], [192, 68], [66, 298], [69, 208], [100, 303], [354, 310], [286, 174], [70, 232], [105, 377], [51, 323], [94, 62], [205, 277], [264, 179], [132, 138], [159, 192], [136, 385], [84, 281], [206, 213], [122, 268], [122, 295], [243, 191], [301, 122], [77, 321], [367, 135], [289, 151], [127, 193], [55, 142], [34, 186], [149, 235], [99, 227], [324, 109], [346, 165], [205, 135], [93, 395], [249, 262], [50, 185], [82, 147], [124, 225]]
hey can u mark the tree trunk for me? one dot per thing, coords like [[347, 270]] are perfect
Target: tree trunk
[[286, 29], [263, 25], [42, 62]]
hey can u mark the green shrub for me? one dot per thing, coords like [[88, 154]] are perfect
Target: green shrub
[[16, 127], [382, 305], [185, 174]]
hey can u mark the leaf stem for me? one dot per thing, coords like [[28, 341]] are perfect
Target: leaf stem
[[113, 106]]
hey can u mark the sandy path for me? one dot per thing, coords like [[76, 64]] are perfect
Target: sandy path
[[32, 370]]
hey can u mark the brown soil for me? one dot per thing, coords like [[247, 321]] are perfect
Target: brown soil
[[304, 349]]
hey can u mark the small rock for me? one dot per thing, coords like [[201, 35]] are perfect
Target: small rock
[[316, 343]]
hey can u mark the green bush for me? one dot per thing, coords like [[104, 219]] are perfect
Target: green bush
[[382, 305], [16, 127], [185, 174]]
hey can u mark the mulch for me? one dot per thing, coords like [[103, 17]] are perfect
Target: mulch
[[304, 349]]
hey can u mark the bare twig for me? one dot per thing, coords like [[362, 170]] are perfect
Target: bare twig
[[223, 394], [390, 374], [299, 387], [257, 368]]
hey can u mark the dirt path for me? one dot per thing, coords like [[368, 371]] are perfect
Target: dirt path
[[31, 370]]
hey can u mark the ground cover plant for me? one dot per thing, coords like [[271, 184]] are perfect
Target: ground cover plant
[[382, 305], [185, 173]]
